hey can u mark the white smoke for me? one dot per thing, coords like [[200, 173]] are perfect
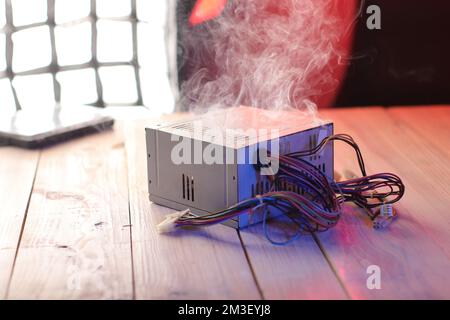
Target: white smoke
[[271, 54]]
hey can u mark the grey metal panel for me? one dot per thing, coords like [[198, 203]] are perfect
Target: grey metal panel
[[231, 179], [152, 165], [213, 188], [249, 177], [251, 183]]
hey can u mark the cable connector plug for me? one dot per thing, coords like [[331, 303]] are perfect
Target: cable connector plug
[[169, 222], [387, 210], [386, 215]]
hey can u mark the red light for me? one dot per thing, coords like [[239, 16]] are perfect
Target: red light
[[205, 10]]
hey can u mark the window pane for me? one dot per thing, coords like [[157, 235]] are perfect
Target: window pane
[[77, 87], [119, 84], [155, 84], [115, 42], [2, 13], [114, 8], [29, 11], [73, 44], [2, 52], [35, 92], [156, 91], [153, 12], [35, 41], [6, 97], [69, 10], [151, 47]]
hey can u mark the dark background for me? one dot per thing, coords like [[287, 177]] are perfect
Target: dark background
[[407, 62]]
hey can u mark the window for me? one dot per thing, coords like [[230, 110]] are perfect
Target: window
[[96, 52]]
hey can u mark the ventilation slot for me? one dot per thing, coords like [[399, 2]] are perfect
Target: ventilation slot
[[183, 186], [207, 133], [192, 188], [287, 186], [187, 186], [260, 187], [313, 142], [285, 147]]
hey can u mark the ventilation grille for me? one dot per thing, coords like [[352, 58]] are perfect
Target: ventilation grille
[[285, 147], [260, 187], [187, 187], [313, 142], [188, 128], [263, 185]]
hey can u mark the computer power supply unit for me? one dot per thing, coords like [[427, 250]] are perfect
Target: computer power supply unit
[[212, 161]]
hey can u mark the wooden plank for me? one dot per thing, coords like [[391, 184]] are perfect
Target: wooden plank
[[207, 263], [76, 243], [17, 169], [295, 271], [413, 253], [431, 122]]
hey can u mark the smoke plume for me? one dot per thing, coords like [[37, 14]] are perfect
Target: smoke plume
[[271, 54]]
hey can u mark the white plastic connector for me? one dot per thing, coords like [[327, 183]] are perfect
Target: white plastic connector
[[387, 210], [385, 216], [168, 224]]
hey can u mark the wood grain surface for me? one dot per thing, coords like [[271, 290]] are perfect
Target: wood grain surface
[[74, 243], [77, 223], [415, 244], [17, 170]]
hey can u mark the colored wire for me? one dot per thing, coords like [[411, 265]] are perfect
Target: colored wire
[[319, 208]]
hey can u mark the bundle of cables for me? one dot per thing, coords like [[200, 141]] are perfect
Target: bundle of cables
[[319, 207]]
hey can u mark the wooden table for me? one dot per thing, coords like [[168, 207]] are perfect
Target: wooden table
[[76, 223]]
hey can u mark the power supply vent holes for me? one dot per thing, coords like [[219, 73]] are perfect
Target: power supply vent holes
[[187, 187]]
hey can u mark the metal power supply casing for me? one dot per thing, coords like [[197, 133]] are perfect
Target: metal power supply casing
[[205, 187]]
